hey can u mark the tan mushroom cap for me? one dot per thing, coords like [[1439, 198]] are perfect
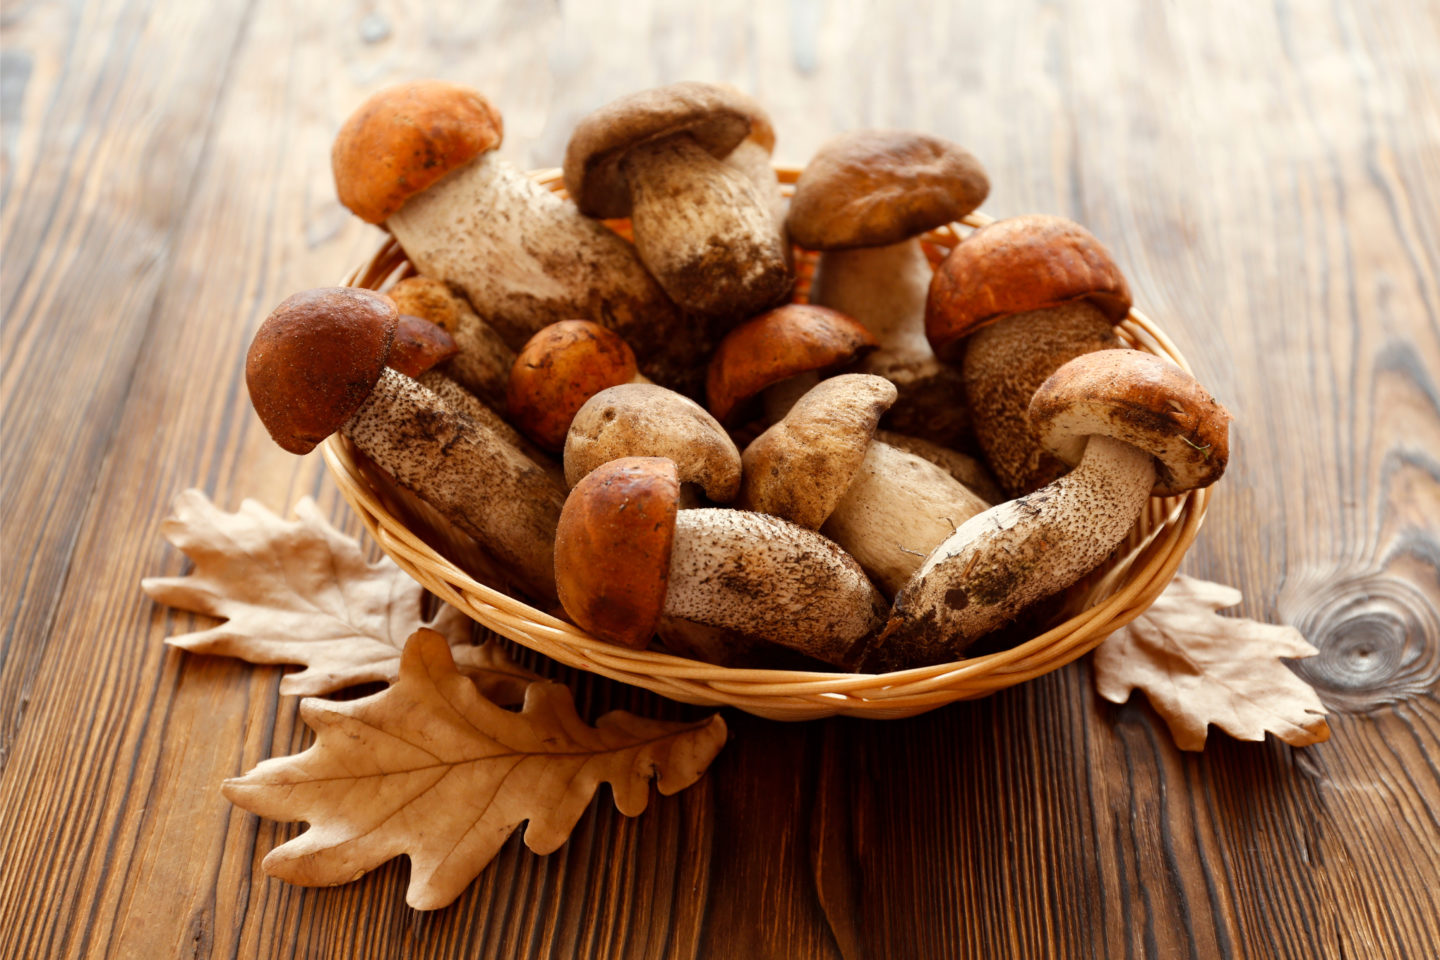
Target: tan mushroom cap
[[1142, 400], [419, 346], [790, 340], [646, 420], [762, 128], [560, 368], [315, 360], [714, 116], [432, 300], [800, 468], [871, 188], [406, 137], [613, 547], [1016, 266]]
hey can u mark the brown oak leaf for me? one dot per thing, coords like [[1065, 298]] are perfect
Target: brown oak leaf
[[1199, 668], [299, 591], [430, 769]]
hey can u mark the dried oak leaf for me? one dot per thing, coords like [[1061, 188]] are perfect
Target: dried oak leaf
[[302, 592], [430, 769], [1199, 668]]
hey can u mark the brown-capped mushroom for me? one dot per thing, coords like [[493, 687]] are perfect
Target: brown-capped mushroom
[[864, 200], [621, 563], [420, 158], [560, 368], [702, 227], [646, 420], [1020, 297], [318, 365], [780, 354], [1136, 426], [821, 468], [483, 360]]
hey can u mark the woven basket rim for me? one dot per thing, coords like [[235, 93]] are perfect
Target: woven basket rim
[[1120, 590]]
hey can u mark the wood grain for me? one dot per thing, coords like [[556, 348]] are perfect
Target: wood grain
[[1268, 175]]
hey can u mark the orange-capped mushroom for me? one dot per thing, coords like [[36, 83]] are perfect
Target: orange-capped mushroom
[[559, 369]]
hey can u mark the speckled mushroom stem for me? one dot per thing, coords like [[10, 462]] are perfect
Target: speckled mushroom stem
[[704, 230], [483, 485], [769, 579], [885, 288], [526, 258], [453, 393], [752, 159], [1003, 560]]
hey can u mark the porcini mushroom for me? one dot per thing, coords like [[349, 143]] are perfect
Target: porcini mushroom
[[646, 420], [625, 556], [1018, 298], [560, 368], [483, 359], [318, 365], [780, 354], [864, 200], [701, 226], [420, 158], [821, 468], [1135, 426]]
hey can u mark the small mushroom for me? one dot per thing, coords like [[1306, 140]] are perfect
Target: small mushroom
[[780, 355], [821, 468], [420, 159], [318, 365], [1019, 298], [625, 555], [483, 360], [702, 227], [864, 200], [646, 420], [560, 368], [1136, 426]]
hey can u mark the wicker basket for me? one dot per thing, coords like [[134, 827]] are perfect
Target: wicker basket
[[1106, 600]]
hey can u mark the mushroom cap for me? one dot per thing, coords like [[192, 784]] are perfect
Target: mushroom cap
[[1015, 266], [432, 300], [647, 420], [713, 115], [315, 359], [560, 368], [762, 128], [404, 138], [800, 468], [793, 339], [1142, 400], [613, 546], [420, 345], [870, 188]]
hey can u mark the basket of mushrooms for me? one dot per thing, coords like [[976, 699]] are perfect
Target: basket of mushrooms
[[803, 442]]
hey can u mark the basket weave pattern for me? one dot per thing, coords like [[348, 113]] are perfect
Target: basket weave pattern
[[1106, 600]]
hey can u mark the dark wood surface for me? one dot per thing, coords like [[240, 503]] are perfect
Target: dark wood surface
[[1268, 174]]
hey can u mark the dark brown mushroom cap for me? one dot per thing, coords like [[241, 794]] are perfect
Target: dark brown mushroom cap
[[420, 345], [1143, 400], [315, 359], [613, 545], [762, 129], [1016, 266], [713, 115], [404, 138], [779, 344], [870, 188], [558, 369]]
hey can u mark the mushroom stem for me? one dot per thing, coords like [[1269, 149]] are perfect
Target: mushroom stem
[[752, 159], [704, 229], [470, 474], [897, 508], [769, 579], [526, 258], [452, 392], [1016, 553]]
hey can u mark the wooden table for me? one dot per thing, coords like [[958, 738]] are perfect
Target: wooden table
[[1267, 174]]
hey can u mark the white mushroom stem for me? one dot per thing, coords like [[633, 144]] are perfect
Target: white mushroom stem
[[770, 579], [753, 160], [704, 230], [1001, 561], [482, 484], [525, 258], [897, 509], [483, 364]]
